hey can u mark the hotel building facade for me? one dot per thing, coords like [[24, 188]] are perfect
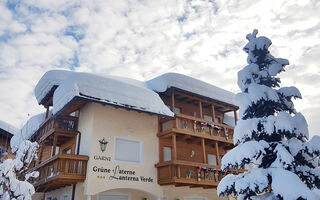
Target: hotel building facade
[[111, 138]]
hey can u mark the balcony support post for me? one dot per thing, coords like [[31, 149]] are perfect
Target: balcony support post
[[54, 144], [200, 107], [47, 112], [213, 112], [172, 101], [218, 154], [174, 146], [203, 144], [235, 117]]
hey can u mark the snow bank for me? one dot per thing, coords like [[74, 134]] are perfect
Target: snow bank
[[166, 81], [117, 91], [8, 127], [27, 131]]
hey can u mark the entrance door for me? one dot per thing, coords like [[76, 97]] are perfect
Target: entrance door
[[113, 197]]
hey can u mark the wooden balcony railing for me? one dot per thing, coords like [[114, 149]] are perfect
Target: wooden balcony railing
[[59, 171], [184, 173], [193, 126], [66, 124]]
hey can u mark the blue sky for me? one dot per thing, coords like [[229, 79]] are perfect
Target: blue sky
[[143, 39]]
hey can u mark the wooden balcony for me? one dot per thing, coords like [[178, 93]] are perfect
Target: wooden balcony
[[196, 127], [192, 174], [64, 126], [60, 171]]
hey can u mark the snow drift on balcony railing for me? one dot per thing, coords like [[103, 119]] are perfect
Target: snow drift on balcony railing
[[32, 125], [48, 81], [8, 127], [165, 81], [117, 91]]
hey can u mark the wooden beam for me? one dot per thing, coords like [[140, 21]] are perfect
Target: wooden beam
[[213, 112], [172, 101], [218, 154], [194, 135], [205, 100], [203, 144], [174, 147], [235, 117], [55, 138], [47, 112], [41, 151], [200, 107]]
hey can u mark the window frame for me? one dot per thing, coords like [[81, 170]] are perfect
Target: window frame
[[128, 139]]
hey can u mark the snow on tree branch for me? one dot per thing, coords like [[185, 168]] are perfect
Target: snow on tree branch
[[14, 183], [270, 134]]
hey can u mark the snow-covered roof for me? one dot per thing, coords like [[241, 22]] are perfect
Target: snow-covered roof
[[25, 133], [118, 91], [48, 82], [192, 85], [8, 127], [123, 92]]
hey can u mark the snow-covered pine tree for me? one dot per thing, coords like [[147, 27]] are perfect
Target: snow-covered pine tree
[[271, 137], [14, 183]]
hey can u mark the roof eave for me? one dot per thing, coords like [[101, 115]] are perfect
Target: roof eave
[[77, 98], [201, 96]]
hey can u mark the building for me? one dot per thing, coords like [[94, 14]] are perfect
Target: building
[[109, 138], [6, 133]]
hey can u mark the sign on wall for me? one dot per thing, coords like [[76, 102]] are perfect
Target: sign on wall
[[117, 173]]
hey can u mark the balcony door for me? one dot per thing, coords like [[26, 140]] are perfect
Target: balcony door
[[166, 153], [113, 197]]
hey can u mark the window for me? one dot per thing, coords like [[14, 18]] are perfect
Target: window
[[207, 117], [67, 151], [166, 153], [65, 197], [212, 159], [177, 110], [128, 150], [56, 152], [113, 197]]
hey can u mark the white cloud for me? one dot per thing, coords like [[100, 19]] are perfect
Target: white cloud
[[143, 39]]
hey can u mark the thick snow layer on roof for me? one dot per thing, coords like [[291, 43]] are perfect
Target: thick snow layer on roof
[[117, 91], [27, 130], [8, 127], [166, 81], [49, 80]]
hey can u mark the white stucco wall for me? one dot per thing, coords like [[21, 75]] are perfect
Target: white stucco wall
[[98, 122]]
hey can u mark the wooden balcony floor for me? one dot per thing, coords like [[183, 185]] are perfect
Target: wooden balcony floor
[[57, 181], [174, 173], [60, 171]]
